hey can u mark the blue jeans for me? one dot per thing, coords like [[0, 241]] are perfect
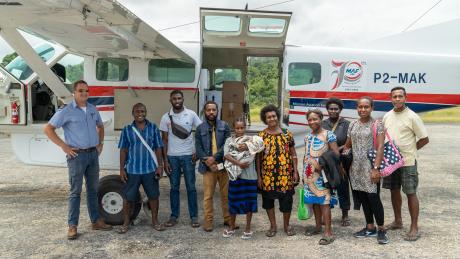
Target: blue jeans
[[86, 165], [185, 165]]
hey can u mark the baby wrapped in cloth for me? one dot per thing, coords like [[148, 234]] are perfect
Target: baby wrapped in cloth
[[255, 145]]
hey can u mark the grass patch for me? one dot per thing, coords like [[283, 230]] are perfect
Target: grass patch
[[255, 113], [451, 115]]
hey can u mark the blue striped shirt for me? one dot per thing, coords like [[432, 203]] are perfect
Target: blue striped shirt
[[139, 160]]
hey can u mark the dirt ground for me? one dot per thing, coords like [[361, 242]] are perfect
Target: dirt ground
[[33, 209]]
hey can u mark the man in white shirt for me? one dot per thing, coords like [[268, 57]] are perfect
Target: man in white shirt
[[408, 131], [179, 148]]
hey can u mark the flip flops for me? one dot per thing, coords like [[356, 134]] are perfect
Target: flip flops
[[228, 233], [346, 222], [326, 240], [270, 233], [171, 222], [123, 229], [310, 232], [393, 226], [412, 237], [159, 227], [247, 235], [290, 231]]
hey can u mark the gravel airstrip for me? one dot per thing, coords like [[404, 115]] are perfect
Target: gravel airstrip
[[33, 209]]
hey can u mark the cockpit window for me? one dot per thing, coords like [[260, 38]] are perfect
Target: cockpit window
[[19, 68]]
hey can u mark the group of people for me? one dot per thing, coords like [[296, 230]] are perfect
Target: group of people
[[244, 165]]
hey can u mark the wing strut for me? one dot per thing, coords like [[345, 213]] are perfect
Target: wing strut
[[23, 48]]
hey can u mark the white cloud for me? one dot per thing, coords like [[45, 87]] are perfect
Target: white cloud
[[314, 22]]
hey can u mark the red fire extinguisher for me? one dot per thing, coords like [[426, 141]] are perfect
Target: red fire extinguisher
[[14, 113]]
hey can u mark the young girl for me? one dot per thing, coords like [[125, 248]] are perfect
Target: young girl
[[242, 192]]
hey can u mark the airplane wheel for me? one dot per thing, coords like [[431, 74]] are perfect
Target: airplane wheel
[[110, 196]]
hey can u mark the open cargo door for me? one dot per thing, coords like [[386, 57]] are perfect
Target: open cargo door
[[243, 29], [12, 99], [228, 38]]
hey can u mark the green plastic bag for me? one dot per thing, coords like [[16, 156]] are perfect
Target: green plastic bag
[[303, 213]]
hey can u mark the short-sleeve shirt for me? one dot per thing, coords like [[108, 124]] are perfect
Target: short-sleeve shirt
[[315, 146], [277, 167], [405, 128], [188, 120], [362, 139], [79, 125], [139, 160], [250, 172]]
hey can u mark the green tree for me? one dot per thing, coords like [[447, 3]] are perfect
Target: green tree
[[8, 58]]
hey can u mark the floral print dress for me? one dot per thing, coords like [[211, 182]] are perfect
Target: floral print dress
[[315, 191], [277, 171]]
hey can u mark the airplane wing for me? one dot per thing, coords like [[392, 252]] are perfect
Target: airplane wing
[[89, 27]]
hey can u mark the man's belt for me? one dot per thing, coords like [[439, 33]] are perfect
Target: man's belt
[[86, 150]]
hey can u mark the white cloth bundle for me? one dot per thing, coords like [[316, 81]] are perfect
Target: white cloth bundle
[[255, 144]]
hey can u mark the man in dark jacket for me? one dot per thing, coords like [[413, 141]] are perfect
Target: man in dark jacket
[[209, 142]]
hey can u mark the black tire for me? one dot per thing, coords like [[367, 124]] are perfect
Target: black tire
[[110, 197]]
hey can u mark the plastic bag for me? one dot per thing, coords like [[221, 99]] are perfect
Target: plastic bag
[[303, 213]]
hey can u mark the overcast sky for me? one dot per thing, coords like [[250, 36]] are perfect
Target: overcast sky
[[345, 23]]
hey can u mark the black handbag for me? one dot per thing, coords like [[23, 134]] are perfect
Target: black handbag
[[178, 130]]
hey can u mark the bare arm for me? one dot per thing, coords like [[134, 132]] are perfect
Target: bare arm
[[123, 154], [100, 132], [165, 138], [293, 153], [422, 142], [50, 132], [333, 146], [159, 154]]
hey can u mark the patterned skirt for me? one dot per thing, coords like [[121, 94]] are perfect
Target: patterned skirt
[[242, 196], [317, 193]]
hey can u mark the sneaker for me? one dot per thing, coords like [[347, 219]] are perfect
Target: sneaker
[[366, 233], [382, 237]]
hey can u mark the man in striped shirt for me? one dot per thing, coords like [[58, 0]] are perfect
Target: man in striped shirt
[[139, 165]]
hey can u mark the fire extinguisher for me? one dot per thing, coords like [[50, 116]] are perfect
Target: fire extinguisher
[[14, 113]]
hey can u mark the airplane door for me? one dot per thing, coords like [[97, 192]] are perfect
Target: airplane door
[[243, 29], [12, 99]]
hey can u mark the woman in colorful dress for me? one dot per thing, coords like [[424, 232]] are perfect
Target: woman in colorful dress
[[365, 180], [242, 192], [277, 169], [317, 193]]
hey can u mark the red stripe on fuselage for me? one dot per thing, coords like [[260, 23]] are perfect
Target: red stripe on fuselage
[[452, 99], [109, 90]]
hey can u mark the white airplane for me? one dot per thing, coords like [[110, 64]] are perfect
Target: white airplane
[[126, 61]]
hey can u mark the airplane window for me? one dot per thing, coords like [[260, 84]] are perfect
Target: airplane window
[[222, 23], [304, 73], [267, 25], [112, 69], [171, 71], [226, 74], [19, 68]]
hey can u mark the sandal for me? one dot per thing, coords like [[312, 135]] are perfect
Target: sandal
[[393, 226], [228, 233], [195, 223], [171, 222], [270, 233], [412, 237], [290, 231], [346, 222], [247, 235], [159, 227], [123, 229], [309, 232], [326, 240]]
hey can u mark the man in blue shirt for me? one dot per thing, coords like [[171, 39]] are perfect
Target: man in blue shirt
[[84, 136], [140, 165]]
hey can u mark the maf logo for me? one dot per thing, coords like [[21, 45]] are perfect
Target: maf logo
[[348, 71]]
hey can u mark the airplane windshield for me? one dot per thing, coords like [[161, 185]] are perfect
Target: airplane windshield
[[19, 68]]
